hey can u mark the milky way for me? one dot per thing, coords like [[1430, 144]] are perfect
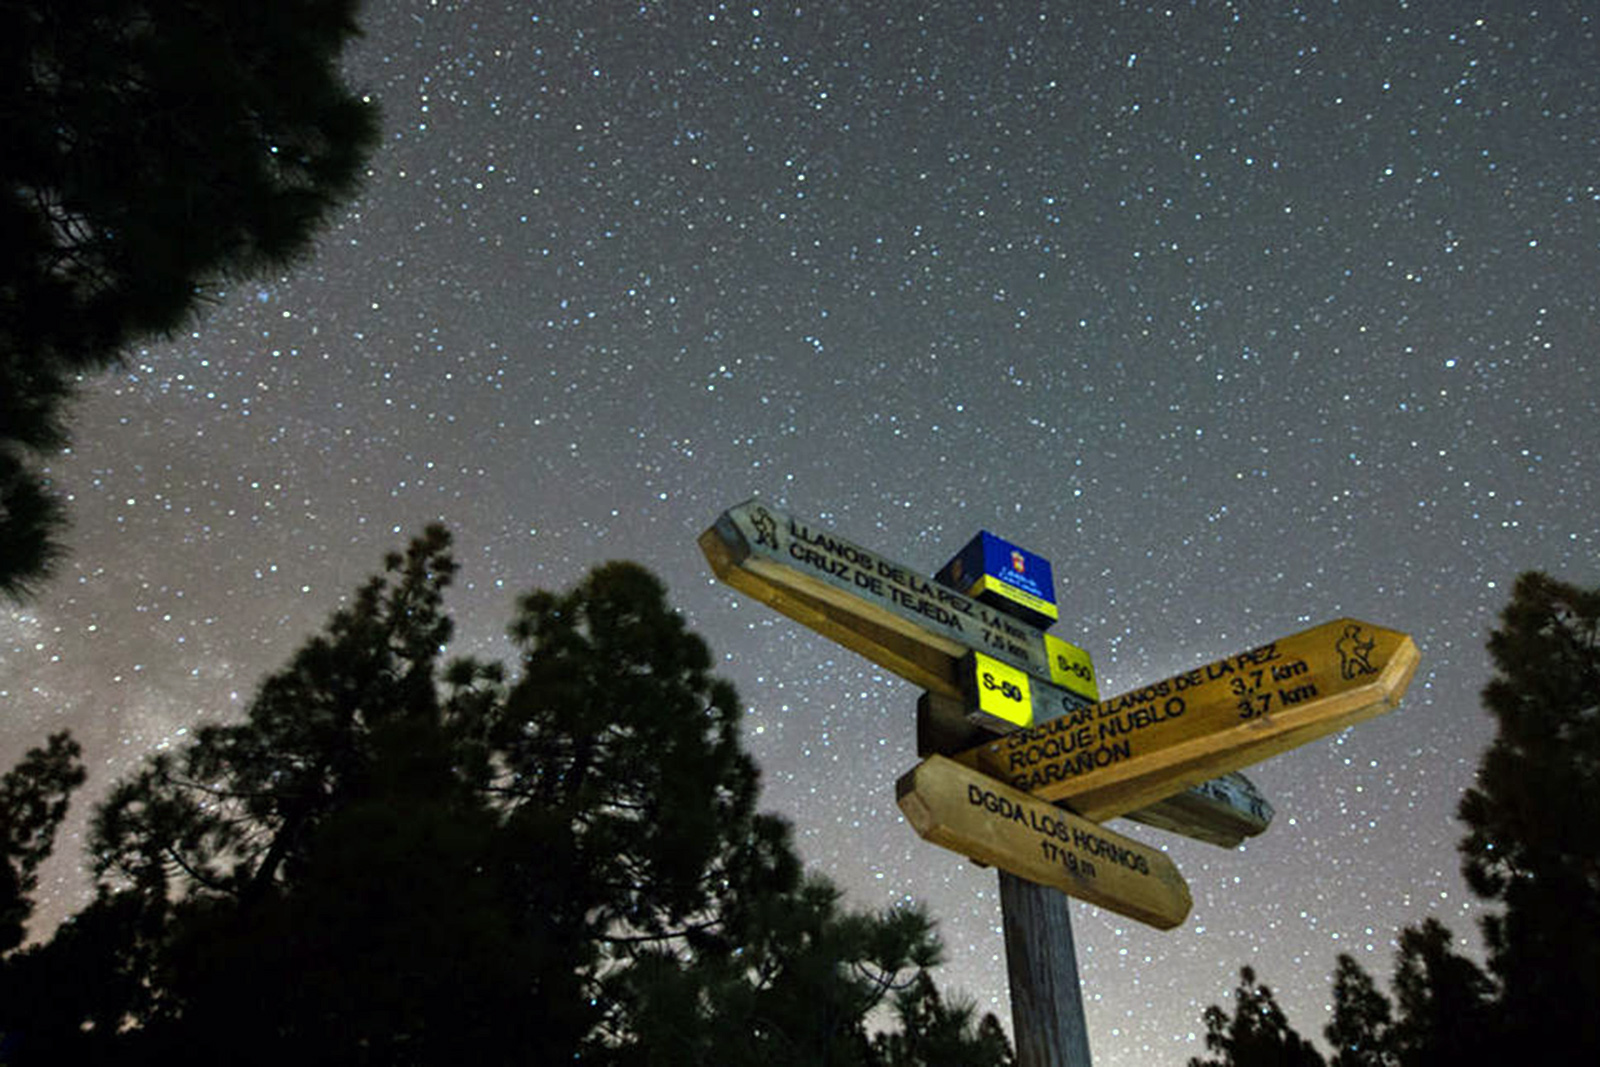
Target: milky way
[[1246, 316]]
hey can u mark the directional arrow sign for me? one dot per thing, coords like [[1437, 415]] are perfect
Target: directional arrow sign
[[873, 605], [1223, 811], [960, 809], [1119, 755]]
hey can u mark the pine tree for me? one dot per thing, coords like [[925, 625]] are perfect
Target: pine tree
[[156, 150], [1257, 1035], [792, 990], [30, 518], [1533, 818], [937, 1033], [393, 859], [33, 801], [1445, 1002], [1361, 1030]]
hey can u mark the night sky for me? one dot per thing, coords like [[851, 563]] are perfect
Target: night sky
[[1246, 316]]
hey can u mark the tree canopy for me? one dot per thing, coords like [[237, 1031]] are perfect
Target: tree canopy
[[33, 801], [397, 859], [1257, 1034], [1361, 1031], [1533, 816], [155, 151]]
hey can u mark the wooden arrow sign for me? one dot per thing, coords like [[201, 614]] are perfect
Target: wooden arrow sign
[[888, 612], [1119, 755], [960, 809], [1223, 811]]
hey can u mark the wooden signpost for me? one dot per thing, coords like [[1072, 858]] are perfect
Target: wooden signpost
[[1120, 754], [1166, 754], [924, 631], [989, 821]]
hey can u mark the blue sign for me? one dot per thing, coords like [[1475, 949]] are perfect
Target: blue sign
[[998, 573]]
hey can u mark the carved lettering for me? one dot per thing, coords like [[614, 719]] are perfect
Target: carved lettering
[[1035, 778]]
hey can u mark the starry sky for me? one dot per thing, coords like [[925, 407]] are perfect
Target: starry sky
[[1245, 315]]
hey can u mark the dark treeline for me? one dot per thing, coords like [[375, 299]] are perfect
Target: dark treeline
[[392, 859], [1531, 853], [395, 859]]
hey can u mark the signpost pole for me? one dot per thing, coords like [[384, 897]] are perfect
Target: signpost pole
[[1049, 1029], [1047, 1021]]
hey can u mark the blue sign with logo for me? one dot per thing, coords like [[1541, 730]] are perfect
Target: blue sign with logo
[[998, 573]]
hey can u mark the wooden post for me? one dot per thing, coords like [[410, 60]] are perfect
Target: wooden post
[[1048, 1027], [1047, 1020]]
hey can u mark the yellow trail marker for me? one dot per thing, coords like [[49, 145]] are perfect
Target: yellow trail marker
[[960, 809], [1122, 754]]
